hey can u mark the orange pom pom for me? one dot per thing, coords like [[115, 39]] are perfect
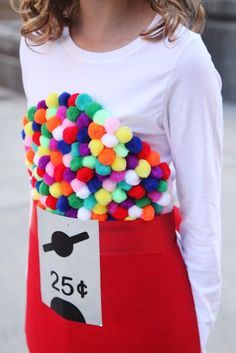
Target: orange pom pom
[[30, 155], [96, 131], [40, 116], [98, 217], [56, 157], [52, 123], [39, 204], [66, 189], [107, 156], [24, 120], [153, 158], [148, 213]]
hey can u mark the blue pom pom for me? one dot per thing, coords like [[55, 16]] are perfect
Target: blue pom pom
[[150, 184], [63, 147], [102, 169], [63, 98], [62, 204], [94, 184], [82, 135], [36, 127], [37, 185], [134, 145], [23, 134], [110, 218]]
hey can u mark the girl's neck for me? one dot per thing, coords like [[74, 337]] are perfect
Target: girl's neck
[[100, 25]]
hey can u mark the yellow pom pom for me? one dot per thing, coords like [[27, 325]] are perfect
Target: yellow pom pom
[[96, 147], [119, 164], [52, 100], [143, 168], [28, 129], [124, 134], [35, 194], [129, 218], [28, 164], [55, 190], [42, 151], [103, 197], [99, 209]]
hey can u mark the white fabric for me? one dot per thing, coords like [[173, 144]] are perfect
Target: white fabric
[[170, 95]]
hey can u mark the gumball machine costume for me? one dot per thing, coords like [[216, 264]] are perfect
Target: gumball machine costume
[[101, 225]]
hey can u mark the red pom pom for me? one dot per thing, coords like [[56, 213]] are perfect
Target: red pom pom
[[137, 192], [85, 174], [165, 169], [120, 213], [40, 172], [36, 137], [70, 134], [33, 182], [71, 100], [58, 173], [146, 149], [51, 202]]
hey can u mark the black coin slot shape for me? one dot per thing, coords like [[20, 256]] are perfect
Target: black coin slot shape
[[62, 244], [67, 310]]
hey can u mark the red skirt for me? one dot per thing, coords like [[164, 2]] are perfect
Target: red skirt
[[146, 298]]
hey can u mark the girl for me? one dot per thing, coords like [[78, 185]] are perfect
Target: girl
[[123, 103]]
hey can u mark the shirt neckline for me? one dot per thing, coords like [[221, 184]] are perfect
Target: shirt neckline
[[94, 56]]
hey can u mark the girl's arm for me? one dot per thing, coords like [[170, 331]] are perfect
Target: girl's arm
[[193, 121]]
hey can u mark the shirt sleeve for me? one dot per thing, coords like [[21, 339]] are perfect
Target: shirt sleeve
[[24, 64], [193, 121]]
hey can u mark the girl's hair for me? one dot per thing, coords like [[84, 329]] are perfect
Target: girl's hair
[[43, 20]]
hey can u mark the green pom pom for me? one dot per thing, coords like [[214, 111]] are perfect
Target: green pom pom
[[75, 149], [119, 195], [102, 169], [30, 113], [72, 113], [90, 202], [45, 131], [75, 201], [101, 116], [121, 150], [144, 201], [44, 141], [82, 101], [92, 108], [44, 188], [162, 186], [123, 185], [76, 163], [89, 162], [50, 112], [158, 208]]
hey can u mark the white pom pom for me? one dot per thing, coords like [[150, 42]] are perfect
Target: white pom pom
[[84, 214], [109, 185], [109, 140], [76, 184], [135, 211], [36, 158], [58, 133], [83, 192], [165, 199], [132, 178]]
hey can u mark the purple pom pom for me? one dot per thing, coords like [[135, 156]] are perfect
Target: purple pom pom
[[156, 172], [84, 149], [42, 105], [83, 120], [127, 203], [68, 175], [43, 161], [132, 161], [71, 213]]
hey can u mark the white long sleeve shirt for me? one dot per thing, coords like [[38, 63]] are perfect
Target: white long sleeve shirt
[[170, 96]]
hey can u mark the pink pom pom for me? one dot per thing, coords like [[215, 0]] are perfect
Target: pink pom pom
[[53, 144], [50, 169], [117, 176], [67, 159], [67, 123], [109, 185], [111, 125], [154, 196], [112, 206], [61, 112], [43, 199], [76, 184]]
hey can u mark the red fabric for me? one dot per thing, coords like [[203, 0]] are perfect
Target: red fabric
[[147, 302]]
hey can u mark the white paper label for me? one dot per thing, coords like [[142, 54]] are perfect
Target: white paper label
[[70, 267]]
